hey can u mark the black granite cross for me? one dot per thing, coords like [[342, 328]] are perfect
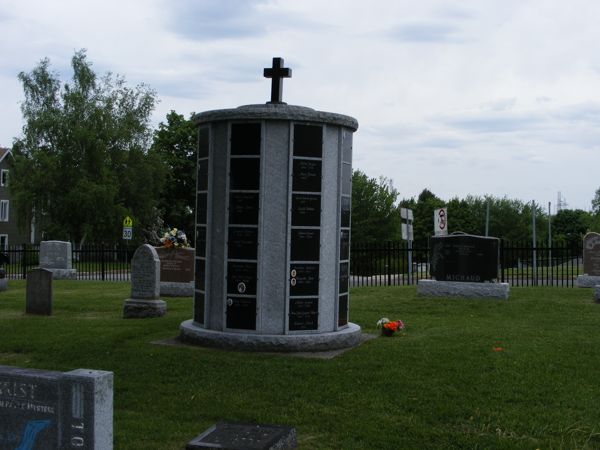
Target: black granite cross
[[277, 73]]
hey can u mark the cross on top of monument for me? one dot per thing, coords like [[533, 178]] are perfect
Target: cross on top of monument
[[277, 73]]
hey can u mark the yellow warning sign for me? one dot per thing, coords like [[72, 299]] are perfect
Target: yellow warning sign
[[127, 222]]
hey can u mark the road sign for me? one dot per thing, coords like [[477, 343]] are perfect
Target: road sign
[[127, 233], [440, 221], [127, 222], [406, 217]]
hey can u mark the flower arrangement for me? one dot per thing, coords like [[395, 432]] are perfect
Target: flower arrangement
[[388, 328], [174, 238]]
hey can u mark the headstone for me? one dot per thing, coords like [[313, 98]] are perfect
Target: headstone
[[464, 258], [145, 285], [591, 261], [47, 410], [176, 271], [464, 265], [273, 201], [591, 254], [56, 256], [38, 297], [245, 436]]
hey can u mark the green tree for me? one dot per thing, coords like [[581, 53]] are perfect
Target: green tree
[[374, 215], [570, 225], [81, 163], [175, 144]]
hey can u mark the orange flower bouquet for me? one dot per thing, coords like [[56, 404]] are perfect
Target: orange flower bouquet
[[388, 328]]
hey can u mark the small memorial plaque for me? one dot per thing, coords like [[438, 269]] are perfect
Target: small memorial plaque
[[591, 254], [243, 208], [203, 175], [304, 314], [305, 245], [244, 273], [343, 310], [464, 257], [347, 147], [344, 245], [241, 312], [242, 243], [304, 279], [346, 179], [203, 142], [306, 210], [308, 140], [344, 272], [245, 436], [200, 276], [345, 213], [201, 241], [199, 298], [201, 206], [245, 138], [306, 175], [244, 174], [176, 264]]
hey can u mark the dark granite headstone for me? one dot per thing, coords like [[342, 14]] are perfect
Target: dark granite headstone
[[39, 292], [176, 264], [591, 254], [464, 257], [238, 436], [45, 410]]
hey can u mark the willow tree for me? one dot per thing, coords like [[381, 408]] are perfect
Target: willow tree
[[81, 163]]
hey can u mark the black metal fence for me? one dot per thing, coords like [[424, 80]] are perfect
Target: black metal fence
[[92, 262], [379, 264], [520, 264]]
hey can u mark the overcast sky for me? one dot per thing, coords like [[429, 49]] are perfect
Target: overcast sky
[[497, 97]]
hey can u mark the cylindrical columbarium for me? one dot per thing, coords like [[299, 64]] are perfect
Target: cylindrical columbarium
[[273, 229]]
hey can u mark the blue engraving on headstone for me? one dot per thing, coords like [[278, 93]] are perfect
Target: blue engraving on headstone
[[30, 432]]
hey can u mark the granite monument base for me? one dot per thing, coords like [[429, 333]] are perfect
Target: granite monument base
[[63, 274], [172, 289], [588, 281], [316, 342], [597, 293], [245, 436], [433, 288], [143, 309], [3, 284]]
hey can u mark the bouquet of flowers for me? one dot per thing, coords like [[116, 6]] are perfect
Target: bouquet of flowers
[[388, 328], [174, 238]]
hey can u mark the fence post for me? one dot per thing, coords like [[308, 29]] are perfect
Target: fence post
[[502, 261], [24, 260], [103, 260], [389, 263]]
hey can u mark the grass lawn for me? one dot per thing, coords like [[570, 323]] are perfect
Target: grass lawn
[[472, 374]]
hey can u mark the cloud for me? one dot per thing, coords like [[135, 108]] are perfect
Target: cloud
[[426, 32], [209, 20]]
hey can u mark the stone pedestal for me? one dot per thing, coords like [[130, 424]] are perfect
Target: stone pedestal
[[273, 229], [588, 281], [433, 288]]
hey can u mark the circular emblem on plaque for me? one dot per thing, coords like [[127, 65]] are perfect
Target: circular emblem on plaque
[[229, 301], [241, 287], [293, 273], [293, 282]]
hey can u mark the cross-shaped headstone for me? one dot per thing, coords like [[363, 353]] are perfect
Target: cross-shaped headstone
[[277, 73]]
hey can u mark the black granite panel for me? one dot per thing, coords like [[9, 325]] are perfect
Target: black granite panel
[[202, 174], [201, 205], [305, 245], [304, 314], [203, 144], [306, 210], [308, 140], [199, 299], [343, 310], [346, 179], [243, 243], [245, 138], [200, 274], [345, 213], [241, 313], [200, 242], [304, 279], [241, 278], [244, 174], [306, 175], [243, 208], [344, 274], [464, 257], [344, 245]]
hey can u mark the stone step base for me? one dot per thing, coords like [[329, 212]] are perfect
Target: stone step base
[[433, 288], [144, 309]]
